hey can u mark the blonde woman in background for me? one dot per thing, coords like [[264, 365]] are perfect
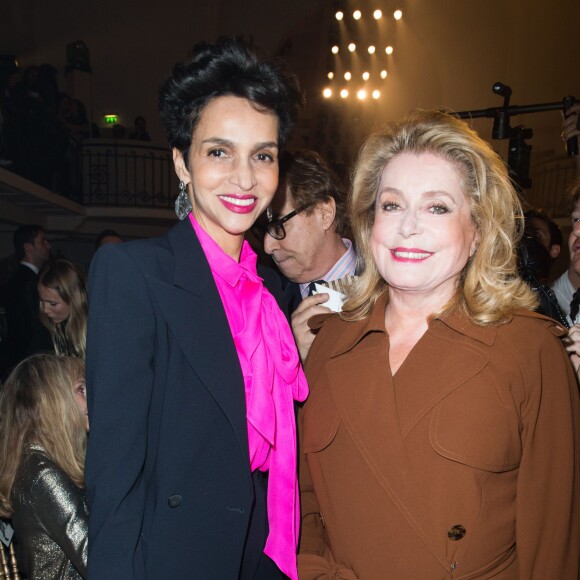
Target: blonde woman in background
[[43, 429], [63, 306]]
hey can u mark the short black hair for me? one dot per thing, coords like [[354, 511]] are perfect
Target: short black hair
[[228, 67], [105, 234], [25, 235], [554, 229]]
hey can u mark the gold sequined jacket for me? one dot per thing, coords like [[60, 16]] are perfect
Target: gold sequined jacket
[[50, 521]]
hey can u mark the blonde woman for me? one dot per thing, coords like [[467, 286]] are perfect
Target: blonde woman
[[43, 427], [63, 306], [441, 433]]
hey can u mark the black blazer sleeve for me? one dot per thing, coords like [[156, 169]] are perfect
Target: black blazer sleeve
[[119, 379]]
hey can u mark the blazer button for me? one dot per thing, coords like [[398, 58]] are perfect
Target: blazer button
[[456, 532], [174, 501]]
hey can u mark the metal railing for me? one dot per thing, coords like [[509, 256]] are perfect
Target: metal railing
[[126, 173], [550, 179]]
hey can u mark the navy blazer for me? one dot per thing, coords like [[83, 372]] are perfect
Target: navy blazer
[[168, 480]]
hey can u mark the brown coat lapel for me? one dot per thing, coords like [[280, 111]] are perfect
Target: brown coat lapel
[[386, 408]]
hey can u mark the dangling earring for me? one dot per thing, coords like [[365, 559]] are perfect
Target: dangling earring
[[269, 213], [182, 204]]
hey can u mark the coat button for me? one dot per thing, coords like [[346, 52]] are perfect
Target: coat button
[[174, 501], [456, 532]]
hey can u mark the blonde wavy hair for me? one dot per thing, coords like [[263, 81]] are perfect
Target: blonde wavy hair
[[490, 289], [68, 281], [38, 407]]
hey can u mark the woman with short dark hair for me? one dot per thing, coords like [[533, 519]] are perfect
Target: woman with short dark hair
[[191, 469]]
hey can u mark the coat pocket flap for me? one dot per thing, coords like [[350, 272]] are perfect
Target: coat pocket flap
[[474, 427]]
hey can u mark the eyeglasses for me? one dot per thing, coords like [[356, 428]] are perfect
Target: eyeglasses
[[275, 228]]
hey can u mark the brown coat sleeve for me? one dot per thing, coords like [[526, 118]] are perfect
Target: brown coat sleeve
[[547, 509], [315, 559]]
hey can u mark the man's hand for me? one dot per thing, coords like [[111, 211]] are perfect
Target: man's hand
[[571, 128], [572, 344], [570, 123], [303, 336]]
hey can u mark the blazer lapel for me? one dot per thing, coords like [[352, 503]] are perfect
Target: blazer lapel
[[194, 312]]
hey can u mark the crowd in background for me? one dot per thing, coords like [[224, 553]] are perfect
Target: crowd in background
[[41, 127]]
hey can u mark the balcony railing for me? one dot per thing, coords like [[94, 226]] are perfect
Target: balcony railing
[[550, 178], [126, 173]]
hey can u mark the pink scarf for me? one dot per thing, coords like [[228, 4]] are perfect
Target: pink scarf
[[273, 380]]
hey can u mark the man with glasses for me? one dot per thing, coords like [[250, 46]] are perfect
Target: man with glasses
[[306, 234]]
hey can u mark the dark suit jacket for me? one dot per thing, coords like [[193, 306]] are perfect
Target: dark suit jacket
[[290, 294], [26, 334], [170, 490]]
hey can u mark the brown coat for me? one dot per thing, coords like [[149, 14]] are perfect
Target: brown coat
[[462, 465]]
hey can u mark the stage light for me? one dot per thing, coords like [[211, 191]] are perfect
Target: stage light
[[344, 93], [334, 49], [347, 76], [339, 15], [330, 75], [376, 94], [357, 14], [371, 49], [377, 14], [397, 14], [361, 95], [383, 74], [366, 76], [352, 47], [77, 57], [389, 50], [327, 93]]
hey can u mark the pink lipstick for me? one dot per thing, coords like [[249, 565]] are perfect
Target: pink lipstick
[[410, 255], [239, 203]]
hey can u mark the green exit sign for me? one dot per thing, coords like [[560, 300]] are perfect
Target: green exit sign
[[111, 119]]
